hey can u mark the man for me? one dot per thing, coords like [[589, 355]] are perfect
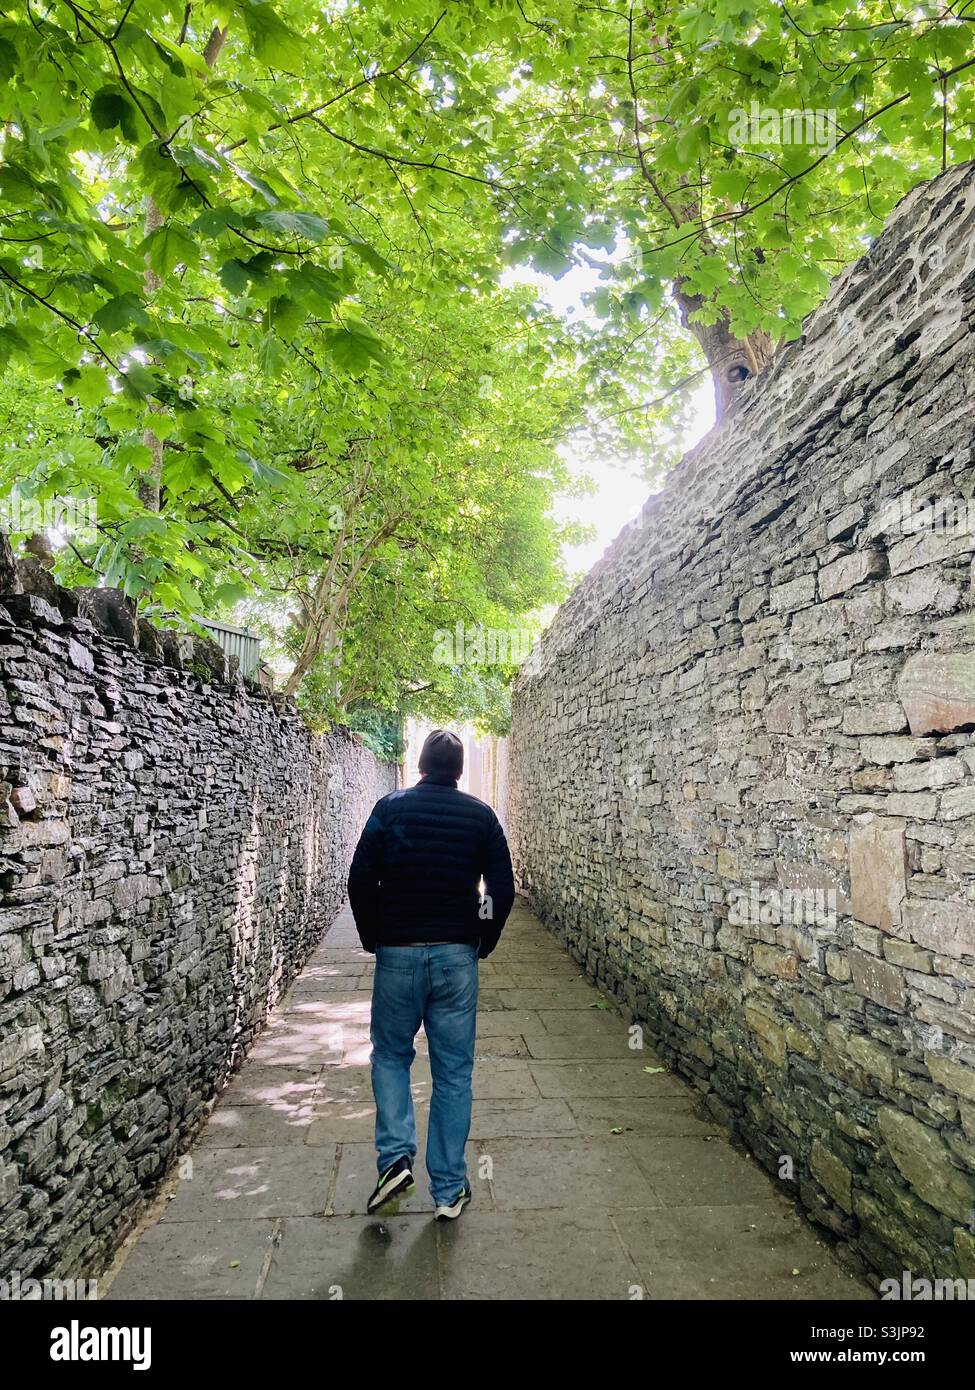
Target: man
[[413, 887]]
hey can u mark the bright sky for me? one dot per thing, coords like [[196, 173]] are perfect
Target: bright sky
[[618, 496]]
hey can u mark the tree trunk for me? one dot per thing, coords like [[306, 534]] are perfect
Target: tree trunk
[[732, 360]]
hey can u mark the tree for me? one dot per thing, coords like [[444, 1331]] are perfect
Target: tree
[[253, 293], [424, 507], [744, 150]]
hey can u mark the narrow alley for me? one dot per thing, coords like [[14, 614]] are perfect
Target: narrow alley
[[593, 1174]]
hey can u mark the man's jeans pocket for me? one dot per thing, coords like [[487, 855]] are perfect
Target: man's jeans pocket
[[397, 959]]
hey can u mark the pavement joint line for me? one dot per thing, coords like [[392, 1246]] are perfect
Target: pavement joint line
[[333, 1180], [274, 1240]]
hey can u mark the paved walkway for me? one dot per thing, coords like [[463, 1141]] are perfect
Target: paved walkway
[[594, 1176]]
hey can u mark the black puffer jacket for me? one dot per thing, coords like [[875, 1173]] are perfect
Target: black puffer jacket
[[416, 869]]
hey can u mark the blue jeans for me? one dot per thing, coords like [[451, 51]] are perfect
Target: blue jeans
[[435, 986]]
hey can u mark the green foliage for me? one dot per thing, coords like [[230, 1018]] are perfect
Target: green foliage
[[746, 150], [255, 283], [380, 731]]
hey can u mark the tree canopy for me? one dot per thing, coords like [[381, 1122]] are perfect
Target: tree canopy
[[259, 298]]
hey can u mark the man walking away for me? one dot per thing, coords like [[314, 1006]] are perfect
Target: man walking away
[[413, 887]]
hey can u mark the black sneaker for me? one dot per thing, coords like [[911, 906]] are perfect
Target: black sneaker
[[449, 1211], [395, 1184]]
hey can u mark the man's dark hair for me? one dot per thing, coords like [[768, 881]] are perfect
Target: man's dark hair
[[442, 755]]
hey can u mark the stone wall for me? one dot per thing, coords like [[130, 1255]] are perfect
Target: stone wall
[[743, 766], [173, 844]]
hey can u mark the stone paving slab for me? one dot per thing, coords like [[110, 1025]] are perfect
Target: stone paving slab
[[689, 1171], [566, 996], [662, 1117], [504, 1078], [506, 1022], [243, 1183], [522, 1118], [247, 1126], [594, 1023], [761, 1251], [589, 1046], [191, 1260], [269, 1085], [602, 1078], [535, 1255], [596, 1174], [353, 1258], [572, 1174]]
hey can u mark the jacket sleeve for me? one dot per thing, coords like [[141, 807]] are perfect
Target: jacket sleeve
[[364, 879], [499, 888]]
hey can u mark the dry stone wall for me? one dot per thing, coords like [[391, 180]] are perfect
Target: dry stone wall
[[173, 844], [743, 764]]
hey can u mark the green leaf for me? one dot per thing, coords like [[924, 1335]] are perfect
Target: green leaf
[[284, 315], [111, 110], [169, 246], [370, 256], [549, 259], [303, 224], [46, 360], [233, 591], [117, 313], [273, 42], [354, 345], [143, 526], [270, 355], [92, 386], [311, 282], [12, 342], [234, 276], [8, 60], [140, 381]]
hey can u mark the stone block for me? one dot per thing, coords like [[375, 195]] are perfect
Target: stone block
[[850, 570], [878, 874], [9, 577], [945, 927], [923, 1158], [798, 593], [931, 775], [937, 691], [770, 960], [894, 749], [111, 612], [906, 954], [951, 1075], [878, 980], [769, 1033], [875, 1060], [832, 1174], [957, 803], [887, 718]]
